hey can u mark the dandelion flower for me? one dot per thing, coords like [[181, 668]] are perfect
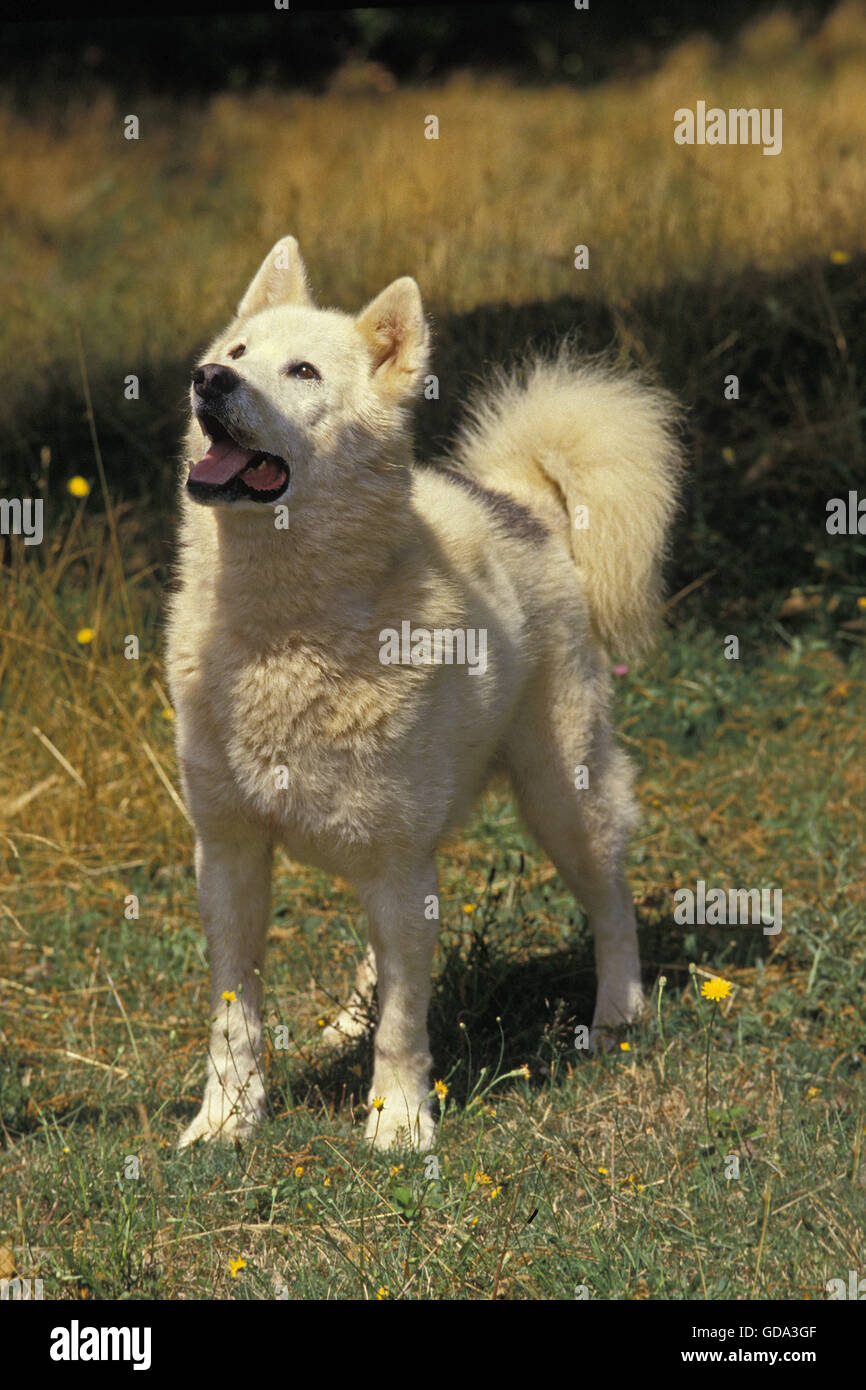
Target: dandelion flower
[[469, 907], [716, 989], [378, 1102], [229, 996], [482, 1178], [397, 1168], [625, 1047], [494, 1191], [299, 1171], [441, 1089], [327, 1182], [524, 1071], [603, 1172], [236, 1266], [320, 1023], [168, 713], [812, 1093], [383, 1293], [84, 635], [78, 486]]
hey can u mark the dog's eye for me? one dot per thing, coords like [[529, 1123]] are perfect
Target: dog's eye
[[305, 371], [238, 351]]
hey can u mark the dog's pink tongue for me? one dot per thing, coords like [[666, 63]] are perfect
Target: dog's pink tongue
[[266, 477], [221, 462]]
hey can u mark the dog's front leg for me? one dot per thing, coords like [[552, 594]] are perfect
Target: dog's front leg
[[402, 910], [234, 892]]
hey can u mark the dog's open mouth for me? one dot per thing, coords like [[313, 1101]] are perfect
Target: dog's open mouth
[[229, 471]]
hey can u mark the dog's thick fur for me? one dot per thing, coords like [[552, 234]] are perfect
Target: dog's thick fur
[[274, 655]]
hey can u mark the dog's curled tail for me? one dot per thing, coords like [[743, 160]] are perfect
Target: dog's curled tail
[[595, 453]]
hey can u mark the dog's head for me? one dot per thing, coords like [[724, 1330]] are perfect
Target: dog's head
[[290, 397]]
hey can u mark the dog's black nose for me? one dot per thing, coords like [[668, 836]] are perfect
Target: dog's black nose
[[215, 380]]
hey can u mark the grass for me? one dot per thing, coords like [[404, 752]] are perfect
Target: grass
[[751, 770]]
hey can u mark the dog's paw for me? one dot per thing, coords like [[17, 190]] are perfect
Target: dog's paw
[[397, 1128], [347, 1027], [219, 1119], [613, 1015]]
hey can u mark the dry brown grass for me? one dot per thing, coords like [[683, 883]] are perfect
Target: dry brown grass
[[142, 241]]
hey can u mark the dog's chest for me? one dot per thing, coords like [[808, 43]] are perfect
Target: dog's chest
[[309, 741]]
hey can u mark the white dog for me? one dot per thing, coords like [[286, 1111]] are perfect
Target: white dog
[[357, 644]]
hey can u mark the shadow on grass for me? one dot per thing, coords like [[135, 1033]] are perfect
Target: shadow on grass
[[492, 1014]]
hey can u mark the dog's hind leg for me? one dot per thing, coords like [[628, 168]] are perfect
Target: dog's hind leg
[[403, 927], [353, 1021], [233, 871], [553, 751]]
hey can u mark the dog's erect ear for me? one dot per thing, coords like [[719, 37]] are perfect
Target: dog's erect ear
[[396, 333], [280, 279]]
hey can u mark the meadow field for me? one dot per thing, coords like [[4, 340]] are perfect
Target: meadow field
[[119, 258]]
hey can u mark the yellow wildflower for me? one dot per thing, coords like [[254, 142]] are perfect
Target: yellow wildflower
[[716, 989]]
